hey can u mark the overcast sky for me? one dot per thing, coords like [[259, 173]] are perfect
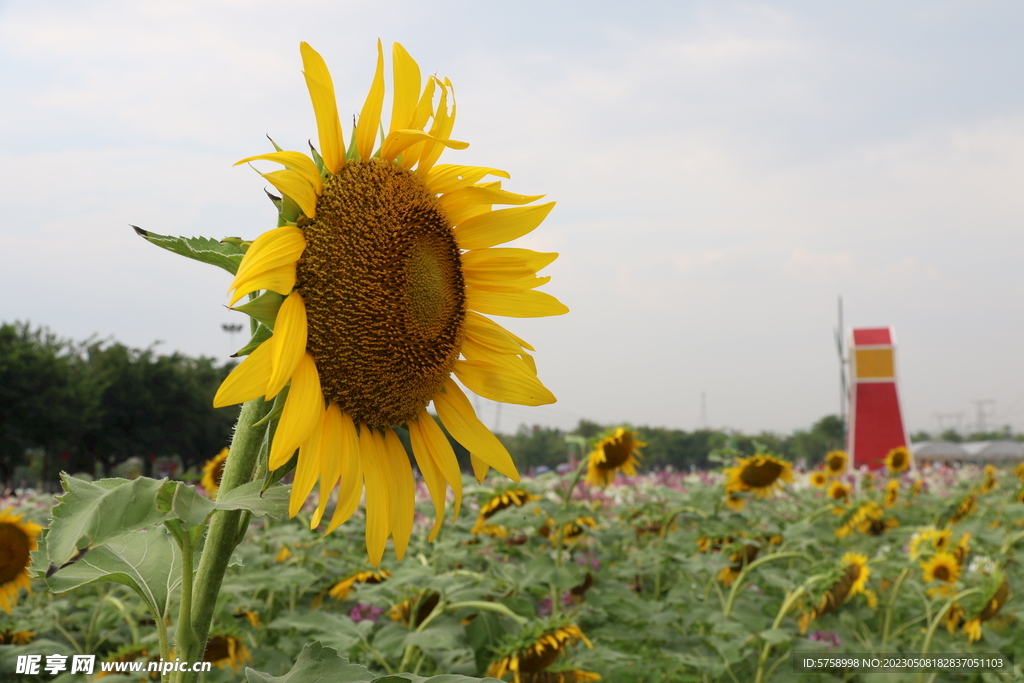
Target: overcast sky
[[723, 172]]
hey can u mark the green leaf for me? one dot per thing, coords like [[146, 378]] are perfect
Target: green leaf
[[273, 502], [185, 503], [443, 678], [93, 513], [316, 664], [148, 562], [205, 249], [776, 636]]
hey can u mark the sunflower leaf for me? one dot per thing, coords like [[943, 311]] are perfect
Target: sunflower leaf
[[443, 678], [316, 664], [273, 502], [148, 562], [205, 249]]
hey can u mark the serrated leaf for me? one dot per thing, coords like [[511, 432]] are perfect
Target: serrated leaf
[[316, 664], [204, 249], [183, 502], [149, 562], [90, 514], [273, 502]]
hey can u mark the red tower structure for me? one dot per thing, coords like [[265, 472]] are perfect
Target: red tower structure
[[876, 420]]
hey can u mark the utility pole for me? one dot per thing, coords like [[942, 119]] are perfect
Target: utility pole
[[979, 425], [844, 391], [232, 329]]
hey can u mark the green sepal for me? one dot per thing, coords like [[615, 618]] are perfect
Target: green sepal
[[289, 211], [205, 249], [262, 334], [238, 242], [263, 308], [276, 146], [318, 160], [353, 153]]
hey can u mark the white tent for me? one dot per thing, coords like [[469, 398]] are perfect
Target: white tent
[[971, 451]]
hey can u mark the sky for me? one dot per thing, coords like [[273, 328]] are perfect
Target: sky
[[723, 172]]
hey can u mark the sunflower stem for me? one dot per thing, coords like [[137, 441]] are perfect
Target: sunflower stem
[[887, 622], [746, 570], [223, 534], [938, 618]]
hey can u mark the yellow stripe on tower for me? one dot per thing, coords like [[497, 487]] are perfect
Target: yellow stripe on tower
[[874, 364]]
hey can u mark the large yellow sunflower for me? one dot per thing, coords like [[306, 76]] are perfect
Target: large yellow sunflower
[[17, 541], [378, 278], [760, 474], [853, 580], [941, 567], [615, 453], [537, 652]]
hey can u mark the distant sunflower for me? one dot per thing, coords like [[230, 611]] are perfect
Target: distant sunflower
[[513, 497], [224, 651], [735, 498], [379, 277], [989, 484], [1018, 471], [897, 460], [739, 559], [283, 554], [1020, 495], [571, 531], [423, 603], [760, 474], [818, 479], [213, 470], [995, 602], [937, 539], [965, 507], [916, 487], [16, 637], [536, 651], [836, 462], [962, 549], [941, 567], [341, 590], [17, 541], [852, 581], [615, 453], [837, 490], [892, 493]]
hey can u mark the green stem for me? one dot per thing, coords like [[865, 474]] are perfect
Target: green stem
[[223, 535], [184, 634], [746, 570], [938, 618], [887, 622], [787, 604]]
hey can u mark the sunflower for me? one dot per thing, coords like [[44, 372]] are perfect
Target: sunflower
[[916, 487], [897, 460], [249, 615], [852, 580], [998, 598], [962, 549], [739, 559], [837, 490], [17, 541], [818, 479], [735, 498], [941, 567], [836, 462], [341, 589], [378, 278], [16, 637], [964, 508], [1018, 471], [513, 497], [536, 651], [129, 653], [224, 651], [283, 554], [615, 453], [990, 482], [213, 470], [939, 540], [761, 474], [892, 493], [424, 603], [571, 531]]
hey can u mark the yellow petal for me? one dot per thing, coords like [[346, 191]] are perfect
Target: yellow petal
[[400, 140], [325, 108], [307, 468], [378, 513], [270, 251], [476, 194], [280, 280], [503, 383], [500, 226], [407, 87], [480, 468], [443, 455], [296, 187], [528, 304], [330, 459], [301, 412], [419, 119], [462, 423], [296, 161], [489, 333], [512, 285], [247, 381], [441, 129], [432, 475], [403, 502], [351, 489], [505, 263], [464, 213], [369, 117], [451, 177], [289, 342]]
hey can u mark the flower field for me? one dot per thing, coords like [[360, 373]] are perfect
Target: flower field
[[656, 577]]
